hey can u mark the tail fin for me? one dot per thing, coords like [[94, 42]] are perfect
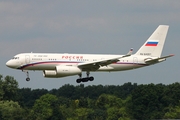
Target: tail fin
[[154, 45]]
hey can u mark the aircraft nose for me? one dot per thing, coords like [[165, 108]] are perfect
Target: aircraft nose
[[10, 64]]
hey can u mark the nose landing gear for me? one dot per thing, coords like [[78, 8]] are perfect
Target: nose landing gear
[[27, 79], [27, 74]]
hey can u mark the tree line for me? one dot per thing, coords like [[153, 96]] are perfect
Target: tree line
[[95, 102]]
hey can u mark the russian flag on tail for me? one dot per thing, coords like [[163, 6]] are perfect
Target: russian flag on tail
[[151, 43]]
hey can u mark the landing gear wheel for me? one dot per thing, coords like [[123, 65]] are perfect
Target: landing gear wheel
[[78, 80], [85, 79], [28, 79], [91, 78]]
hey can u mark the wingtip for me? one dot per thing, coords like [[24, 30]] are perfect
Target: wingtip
[[172, 55]]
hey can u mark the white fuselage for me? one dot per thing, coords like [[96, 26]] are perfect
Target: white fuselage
[[47, 61], [62, 65]]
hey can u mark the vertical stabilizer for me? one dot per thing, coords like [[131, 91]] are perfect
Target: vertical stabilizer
[[154, 45]]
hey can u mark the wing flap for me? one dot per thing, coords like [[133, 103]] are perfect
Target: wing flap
[[96, 64]]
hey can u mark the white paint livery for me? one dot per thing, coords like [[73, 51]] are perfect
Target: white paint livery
[[62, 65]]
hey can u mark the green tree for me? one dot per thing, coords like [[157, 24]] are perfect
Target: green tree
[[10, 110], [83, 102], [83, 113], [98, 114], [68, 113], [171, 95], [106, 101], [1, 88], [115, 107], [113, 113], [173, 112], [43, 107], [27, 96], [8, 88], [147, 102]]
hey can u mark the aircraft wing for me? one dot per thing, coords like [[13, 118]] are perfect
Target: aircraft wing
[[153, 61], [92, 66]]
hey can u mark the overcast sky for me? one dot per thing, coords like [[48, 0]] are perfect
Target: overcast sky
[[88, 26]]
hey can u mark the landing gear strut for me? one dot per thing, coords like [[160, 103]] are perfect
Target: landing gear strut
[[27, 74], [79, 79], [27, 79], [86, 79]]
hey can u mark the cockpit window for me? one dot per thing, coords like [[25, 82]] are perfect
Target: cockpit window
[[15, 58]]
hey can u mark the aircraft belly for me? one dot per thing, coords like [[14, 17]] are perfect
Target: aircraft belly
[[120, 67]]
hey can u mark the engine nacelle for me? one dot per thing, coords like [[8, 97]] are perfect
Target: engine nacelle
[[50, 73], [62, 71]]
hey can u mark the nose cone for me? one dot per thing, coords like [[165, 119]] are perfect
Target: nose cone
[[11, 64]]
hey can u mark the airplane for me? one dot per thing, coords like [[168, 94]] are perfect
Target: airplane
[[56, 65]]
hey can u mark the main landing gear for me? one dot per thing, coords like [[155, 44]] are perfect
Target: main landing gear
[[86, 79], [27, 74]]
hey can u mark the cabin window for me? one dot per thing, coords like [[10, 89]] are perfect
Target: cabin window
[[36, 58], [52, 59]]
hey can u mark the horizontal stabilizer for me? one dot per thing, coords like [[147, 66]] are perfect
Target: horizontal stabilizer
[[157, 60]]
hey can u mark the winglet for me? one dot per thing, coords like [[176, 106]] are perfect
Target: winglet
[[171, 55], [128, 54], [130, 51]]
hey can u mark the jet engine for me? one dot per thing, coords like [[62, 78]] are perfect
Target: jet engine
[[62, 71]]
